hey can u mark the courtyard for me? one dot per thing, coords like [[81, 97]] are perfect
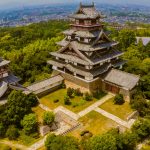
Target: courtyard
[[77, 102], [95, 123]]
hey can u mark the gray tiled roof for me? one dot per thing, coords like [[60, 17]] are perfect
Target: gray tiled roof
[[69, 32], [92, 73], [55, 63], [73, 46], [123, 79], [85, 34], [11, 79], [118, 63], [87, 11], [70, 58], [86, 47], [63, 43], [93, 61], [110, 55], [81, 16], [39, 85], [145, 40]]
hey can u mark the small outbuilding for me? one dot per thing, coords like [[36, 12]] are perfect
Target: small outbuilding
[[117, 81]]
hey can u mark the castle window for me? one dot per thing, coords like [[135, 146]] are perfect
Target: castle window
[[77, 21], [81, 39]]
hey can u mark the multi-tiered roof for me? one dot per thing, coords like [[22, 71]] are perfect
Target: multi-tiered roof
[[87, 51]]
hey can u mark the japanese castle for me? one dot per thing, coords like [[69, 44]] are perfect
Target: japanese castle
[[88, 59]]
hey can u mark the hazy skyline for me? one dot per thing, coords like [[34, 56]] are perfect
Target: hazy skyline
[[13, 3]]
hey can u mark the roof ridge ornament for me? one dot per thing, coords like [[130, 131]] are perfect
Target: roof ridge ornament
[[87, 5]]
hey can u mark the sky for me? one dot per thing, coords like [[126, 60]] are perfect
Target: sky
[[11, 3]]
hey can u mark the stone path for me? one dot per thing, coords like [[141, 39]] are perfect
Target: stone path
[[126, 124], [112, 117], [67, 112], [11, 144], [3, 101], [44, 107], [37, 144], [95, 105]]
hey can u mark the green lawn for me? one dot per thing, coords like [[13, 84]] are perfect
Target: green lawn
[[27, 140], [39, 112], [42, 148], [95, 123], [77, 103], [146, 147], [121, 111], [6, 147]]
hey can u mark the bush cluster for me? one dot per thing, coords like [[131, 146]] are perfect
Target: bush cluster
[[88, 97], [119, 99]]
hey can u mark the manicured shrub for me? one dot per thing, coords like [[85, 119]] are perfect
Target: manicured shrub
[[56, 101], [67, 100], [77, 92], [88, 97], [12, 133], [70, 92], [98, 94], [48, 118], [59, 142], [119, 99]]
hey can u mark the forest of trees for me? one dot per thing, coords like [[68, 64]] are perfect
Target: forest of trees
[[28, 48]]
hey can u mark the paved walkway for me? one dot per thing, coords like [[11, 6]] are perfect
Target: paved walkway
[[11, 144], [95, 105], [115, 118], [44, 107], [67, 112], [2, 102], [38, 144], [112, 117]]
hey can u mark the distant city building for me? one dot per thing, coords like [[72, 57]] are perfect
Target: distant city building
[[87, 56]]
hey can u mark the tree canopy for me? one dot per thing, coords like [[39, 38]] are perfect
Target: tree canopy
[[54, 142]]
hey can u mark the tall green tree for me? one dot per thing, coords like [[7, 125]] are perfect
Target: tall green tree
[[30, 124], [17, 106], [54, 142], [48, 118], [126, 38], [101, 142]]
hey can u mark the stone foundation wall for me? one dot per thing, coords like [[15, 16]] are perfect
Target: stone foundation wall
[[48, 91], [84, 86]]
